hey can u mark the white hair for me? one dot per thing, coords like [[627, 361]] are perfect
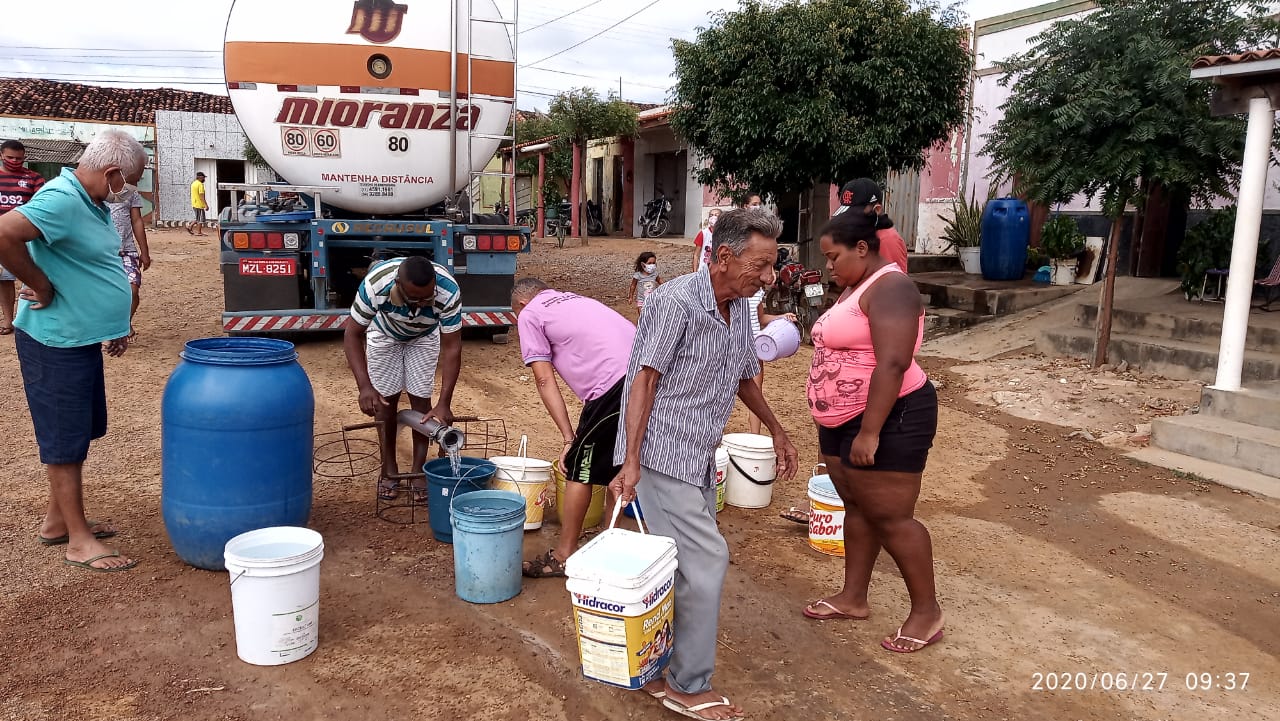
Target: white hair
[[114, 148]]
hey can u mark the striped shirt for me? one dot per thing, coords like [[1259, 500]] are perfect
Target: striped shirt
[[379, 302], [17, 188], [702, 360]]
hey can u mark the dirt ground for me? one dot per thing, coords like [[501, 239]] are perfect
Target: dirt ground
[[1055, 555]]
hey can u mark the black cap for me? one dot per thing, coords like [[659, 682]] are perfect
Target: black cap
[[199, 175], [859, 194]]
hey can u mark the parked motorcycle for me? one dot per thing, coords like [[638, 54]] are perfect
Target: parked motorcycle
[[655, 222], [595, 219], [796, 290]]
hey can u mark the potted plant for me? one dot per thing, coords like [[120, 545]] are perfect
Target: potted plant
[[1062, 241], [964, 233]]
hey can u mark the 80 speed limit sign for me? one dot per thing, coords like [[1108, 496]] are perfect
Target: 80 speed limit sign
[[311, 142], [295, 141]]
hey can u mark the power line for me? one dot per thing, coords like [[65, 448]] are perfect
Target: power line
[[176, 51], [562, 17], [598, 77], [592, 37]]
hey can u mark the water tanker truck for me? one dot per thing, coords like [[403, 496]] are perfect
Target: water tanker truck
[[380, 116]]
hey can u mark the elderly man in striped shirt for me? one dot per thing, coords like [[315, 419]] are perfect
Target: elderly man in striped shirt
[[692, 355], [406, 317]]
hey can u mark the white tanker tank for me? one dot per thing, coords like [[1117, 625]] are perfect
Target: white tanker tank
[[357, 96]]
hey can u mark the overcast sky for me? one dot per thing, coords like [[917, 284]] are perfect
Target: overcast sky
[[177, 43]]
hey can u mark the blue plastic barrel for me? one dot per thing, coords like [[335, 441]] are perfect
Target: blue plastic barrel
[[237, 422], [488, 532], [1006, 231], [443, 485]]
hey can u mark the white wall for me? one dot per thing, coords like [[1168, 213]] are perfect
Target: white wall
[[185, 143]]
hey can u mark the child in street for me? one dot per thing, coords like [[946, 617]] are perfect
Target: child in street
[[645, 279]]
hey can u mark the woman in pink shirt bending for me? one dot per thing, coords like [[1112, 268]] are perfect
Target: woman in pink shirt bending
[[877, 414]]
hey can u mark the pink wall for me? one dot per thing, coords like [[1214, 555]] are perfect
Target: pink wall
[[940, 179]]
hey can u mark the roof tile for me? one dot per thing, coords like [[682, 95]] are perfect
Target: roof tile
[[34, 97]]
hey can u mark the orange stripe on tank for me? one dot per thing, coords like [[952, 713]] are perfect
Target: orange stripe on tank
[[336, 64]]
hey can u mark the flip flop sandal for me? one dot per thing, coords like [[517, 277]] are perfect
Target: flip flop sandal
[[835, 612], [64, 538], [6, 330], [545, 566], [889, 645], [692, 711], [796, 515], [420, 497], [88, 565], [388, 493]]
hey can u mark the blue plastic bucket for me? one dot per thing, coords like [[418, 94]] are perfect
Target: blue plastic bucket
[[638, 512], [443, 486], [488, 532], [779, 339]]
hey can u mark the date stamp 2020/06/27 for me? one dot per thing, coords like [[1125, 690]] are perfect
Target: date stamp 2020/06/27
[[1139, 681]]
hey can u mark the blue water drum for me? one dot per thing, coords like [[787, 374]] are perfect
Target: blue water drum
[[443, 485], [236, 444], [1006, 231]]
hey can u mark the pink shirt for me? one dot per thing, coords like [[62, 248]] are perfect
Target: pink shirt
[[844, 358], [588, 343], [892, 247]]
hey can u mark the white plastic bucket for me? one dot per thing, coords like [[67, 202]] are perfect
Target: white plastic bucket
[[530, 477], [826, 515], [622, 588], [779, 339], [722, 466], [275, 593], [751, 472]]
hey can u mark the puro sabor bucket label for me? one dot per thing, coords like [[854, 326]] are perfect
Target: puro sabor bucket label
[[627, 651], [296, 632], [826, 528]]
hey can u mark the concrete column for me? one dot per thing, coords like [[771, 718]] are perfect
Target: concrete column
[[1244, 246], [575, 190], [538, 232], [629, 183]]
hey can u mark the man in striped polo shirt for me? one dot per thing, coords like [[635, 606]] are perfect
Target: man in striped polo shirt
[[692, 355], [406, 317]]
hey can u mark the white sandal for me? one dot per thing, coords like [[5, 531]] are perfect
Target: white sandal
[[692, 711]]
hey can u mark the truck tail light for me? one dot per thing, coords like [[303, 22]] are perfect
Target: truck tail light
[[240, 241], [514, 242], [292, 241], [275, 241], [258, 241], [482, 242], [468, 242]]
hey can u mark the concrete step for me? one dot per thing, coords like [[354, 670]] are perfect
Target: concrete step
[[1259, 406], [1230, 443], [1176, 327], [972, 294], [1169, 358], [1229, 476], [944, 321], [931, 263]]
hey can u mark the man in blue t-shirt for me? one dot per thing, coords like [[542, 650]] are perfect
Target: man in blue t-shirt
[[63, 246]]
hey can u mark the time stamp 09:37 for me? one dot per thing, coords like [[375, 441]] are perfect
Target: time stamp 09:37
[[1138, 681]]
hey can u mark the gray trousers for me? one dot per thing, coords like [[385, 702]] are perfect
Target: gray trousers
[[687, 514]]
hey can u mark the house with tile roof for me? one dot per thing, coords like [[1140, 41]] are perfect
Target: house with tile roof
[[183, 131]]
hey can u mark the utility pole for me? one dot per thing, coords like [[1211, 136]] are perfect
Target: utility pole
[[619, 87]]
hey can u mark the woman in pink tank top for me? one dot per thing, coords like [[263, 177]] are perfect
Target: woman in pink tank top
[[877, 414]]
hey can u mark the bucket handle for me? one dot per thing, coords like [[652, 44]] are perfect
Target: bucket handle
[[747, 476], [237, 578], [816, 466], [466, 475], [617, 509]]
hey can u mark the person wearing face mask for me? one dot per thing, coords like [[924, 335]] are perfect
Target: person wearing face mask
[[126, 213], [63, 247], [17, 186], [693, 354], [702, 244], [406, 320], [645, 279]]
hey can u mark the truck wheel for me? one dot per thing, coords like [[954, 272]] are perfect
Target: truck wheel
[[500, 335]]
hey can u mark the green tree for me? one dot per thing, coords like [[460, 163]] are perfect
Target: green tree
[[1103, 105], [559, 162], [580, 115], [778, 97]]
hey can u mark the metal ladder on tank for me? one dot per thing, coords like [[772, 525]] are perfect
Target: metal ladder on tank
[[476, 176]]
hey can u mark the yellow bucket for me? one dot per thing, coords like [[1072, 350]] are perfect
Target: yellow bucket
[[826, 516], [595, 511], [527, 476]]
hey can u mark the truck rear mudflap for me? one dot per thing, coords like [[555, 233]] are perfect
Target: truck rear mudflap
[[305, 321]]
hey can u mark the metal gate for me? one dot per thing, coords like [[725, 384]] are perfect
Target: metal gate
[[902, 203]]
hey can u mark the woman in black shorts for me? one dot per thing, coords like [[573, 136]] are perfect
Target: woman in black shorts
[[877, 414]]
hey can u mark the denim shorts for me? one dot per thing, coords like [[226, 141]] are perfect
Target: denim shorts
[[905, 438], [67, 395], [6, 275]]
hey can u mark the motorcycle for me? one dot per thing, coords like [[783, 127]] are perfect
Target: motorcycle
[[595, 219], [796, 290], [527, 217], [558, 223], [655, 223]]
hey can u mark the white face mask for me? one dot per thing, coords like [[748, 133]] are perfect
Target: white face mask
[[650, 267], [117, 196]]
